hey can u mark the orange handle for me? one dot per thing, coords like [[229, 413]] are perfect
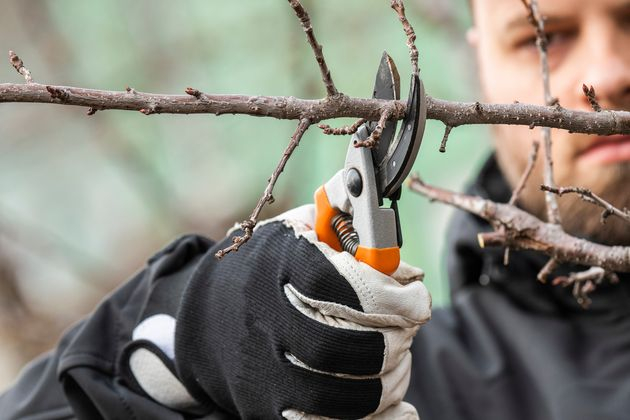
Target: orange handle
[[385, 260], [324, 214]]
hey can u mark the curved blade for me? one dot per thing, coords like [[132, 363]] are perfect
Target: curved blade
[[386, 86], [392, 170]]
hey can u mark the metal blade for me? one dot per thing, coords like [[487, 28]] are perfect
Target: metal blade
[[401, 154], [386, 86]]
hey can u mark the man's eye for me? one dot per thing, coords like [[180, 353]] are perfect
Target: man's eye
[[555, 39]]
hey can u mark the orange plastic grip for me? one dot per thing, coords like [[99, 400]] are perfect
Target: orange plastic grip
[[324, 214], [385, 260]]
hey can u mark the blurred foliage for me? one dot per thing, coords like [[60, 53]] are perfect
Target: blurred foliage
[[84, 201]]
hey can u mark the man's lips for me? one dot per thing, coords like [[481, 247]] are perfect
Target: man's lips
[[608, 149]]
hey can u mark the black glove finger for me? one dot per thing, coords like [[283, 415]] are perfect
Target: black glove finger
[[331, 396], [333, 349]]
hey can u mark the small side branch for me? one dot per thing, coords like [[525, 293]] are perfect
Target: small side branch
[[399, 7], [526, 174], [342, 131], [305, 20], [375, 136], [589, 92], [447, 133], [547, 269], [248, 225], [590, 197], [586, 282], [18, 65]]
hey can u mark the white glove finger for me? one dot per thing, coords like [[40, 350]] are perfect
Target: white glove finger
[[385, 302], [397, 339], [401, 411], [158, 381]]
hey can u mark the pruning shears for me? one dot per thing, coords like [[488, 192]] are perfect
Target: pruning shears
[[349, 207]]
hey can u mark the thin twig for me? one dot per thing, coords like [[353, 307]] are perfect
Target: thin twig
[[248, 225], [305, 20], [375, 135], [537, 21], [399, 7], [194, 92], [526, 174], [447, 132], [342, 131], [18, 65], [547, 269], [586, 282], [590, 197], [592, 98], [519, 188]]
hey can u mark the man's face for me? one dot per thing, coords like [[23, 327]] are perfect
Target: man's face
[[589, 42]]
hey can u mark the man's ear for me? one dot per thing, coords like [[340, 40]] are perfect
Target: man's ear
[[472, 36]]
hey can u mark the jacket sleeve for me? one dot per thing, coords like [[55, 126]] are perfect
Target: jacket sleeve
[[83, 376], [37, 393]]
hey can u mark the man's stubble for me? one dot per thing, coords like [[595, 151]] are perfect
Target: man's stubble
[[579, 218]]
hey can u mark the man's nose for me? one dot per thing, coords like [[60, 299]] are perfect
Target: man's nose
[[607, 69]]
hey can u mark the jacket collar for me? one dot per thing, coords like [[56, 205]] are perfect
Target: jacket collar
[[469, 266]]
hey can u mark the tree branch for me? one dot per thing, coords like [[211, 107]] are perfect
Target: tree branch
[[537, 21], [248, 225], [375, 136], [399, 7], [305, 20], [589, 92], [18, 65], [468, 113], [586, 282], [342, 131], [339, 106], [590, 197], [526, 174], [524, 231], [447, 133]]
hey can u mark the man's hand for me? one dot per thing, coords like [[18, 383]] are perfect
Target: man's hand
[[289, 327]]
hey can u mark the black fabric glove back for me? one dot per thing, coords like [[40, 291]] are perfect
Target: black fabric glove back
[[286, 327], [241, 344]]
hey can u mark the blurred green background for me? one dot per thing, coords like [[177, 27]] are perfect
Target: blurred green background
[[84, 201]]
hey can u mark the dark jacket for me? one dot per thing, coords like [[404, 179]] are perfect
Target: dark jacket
[[508, 347], [512, 348]]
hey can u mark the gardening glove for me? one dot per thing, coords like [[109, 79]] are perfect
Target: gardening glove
[[287, 327]]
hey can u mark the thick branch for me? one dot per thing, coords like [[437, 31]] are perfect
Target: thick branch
[[524, 231], [291, 108], [462, 113]]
